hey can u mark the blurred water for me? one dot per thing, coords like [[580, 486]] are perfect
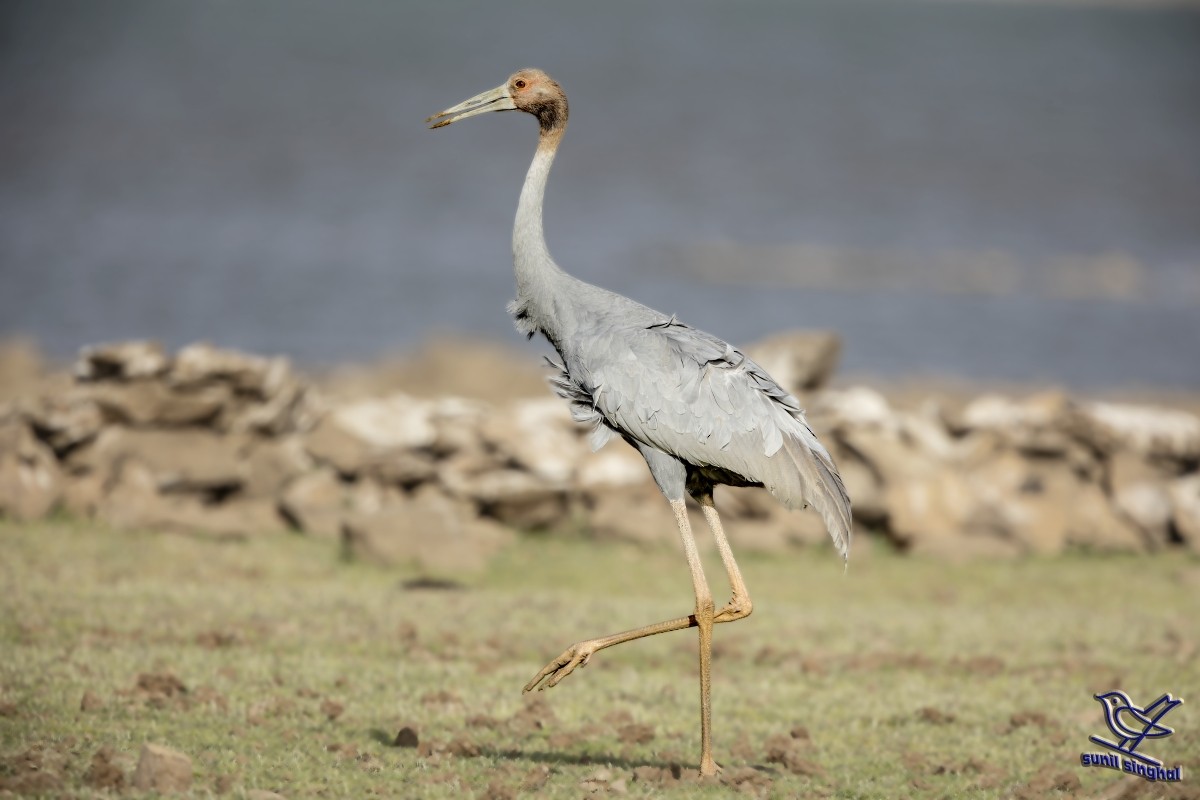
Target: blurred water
[[257, 174]]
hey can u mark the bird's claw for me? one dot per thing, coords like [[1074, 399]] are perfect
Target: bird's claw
[[577, 655]]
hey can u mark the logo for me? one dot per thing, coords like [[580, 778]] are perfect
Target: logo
[[1132, 726]]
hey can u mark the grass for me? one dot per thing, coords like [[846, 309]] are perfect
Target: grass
[[911, 678]]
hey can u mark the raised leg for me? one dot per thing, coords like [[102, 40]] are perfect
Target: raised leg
[[738, 607], [578, 654]]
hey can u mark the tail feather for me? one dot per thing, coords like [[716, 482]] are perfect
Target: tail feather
[[816, 482]]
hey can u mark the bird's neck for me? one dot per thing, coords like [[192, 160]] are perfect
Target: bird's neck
[[536, 272]]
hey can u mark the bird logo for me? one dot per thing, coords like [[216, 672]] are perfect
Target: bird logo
[[1139, 724]]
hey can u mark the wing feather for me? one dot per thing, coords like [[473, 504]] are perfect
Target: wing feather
[[690, 394]]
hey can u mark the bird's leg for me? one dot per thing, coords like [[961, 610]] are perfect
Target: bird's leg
[[577, 655], [739, 605], [704, 621]]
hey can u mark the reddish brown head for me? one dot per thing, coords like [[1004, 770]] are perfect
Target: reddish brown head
[[535, 92], [529, 90]]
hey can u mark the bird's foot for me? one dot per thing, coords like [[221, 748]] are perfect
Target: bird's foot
[[709, 768], [576, 655]]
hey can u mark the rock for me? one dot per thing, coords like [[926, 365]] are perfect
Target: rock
[[457, 422], [929, 515], [150, 403], [856, 407], [538, 436], [202, 363], [768, 536], [83, 494], [617, 466], [161, 769], [1035, 425], [799, 360], [1139, 491], [512, 497], [65, 422], [865, 487], [30, 479], [639, 515], [1185, 509], [735, 502], [315, 503], [239, 518], [354, 435], [134, 503], [294, 408], [271, 464], [1023, 501], [318, 501], [1147, 431], [406, 468], [121, 361], [187, 460], [1093, 524], [428, 531]]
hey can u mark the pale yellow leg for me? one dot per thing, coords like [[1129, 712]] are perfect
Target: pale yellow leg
[[739, 606]]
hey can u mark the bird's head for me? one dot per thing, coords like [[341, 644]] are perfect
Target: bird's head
[[528, 90]]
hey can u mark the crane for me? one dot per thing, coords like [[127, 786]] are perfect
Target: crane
[[698, 410]]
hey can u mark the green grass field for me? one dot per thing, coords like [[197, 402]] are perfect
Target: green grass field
[[276, 666]]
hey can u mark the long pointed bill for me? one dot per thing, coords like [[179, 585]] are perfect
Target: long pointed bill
[[496, 99]]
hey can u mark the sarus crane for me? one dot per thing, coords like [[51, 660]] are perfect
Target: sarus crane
[[698, 410]]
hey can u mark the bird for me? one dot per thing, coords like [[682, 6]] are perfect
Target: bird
[[1116, 702], [699, 411]]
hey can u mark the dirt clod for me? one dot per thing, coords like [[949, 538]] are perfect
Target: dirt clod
[[332, 709], [497, 791], [162, 769], [440, 698], [534, 715], [90, 702], [1048, 779], [535, 779], [748, 780], [406, 737], [212, 640], [935, 716], [636, 733], [38, 770], [103, 772], [784, 750], [464, 748], [482, 721], [161, 683], [1022, 719]]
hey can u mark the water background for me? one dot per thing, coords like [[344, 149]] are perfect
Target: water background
[[257, 174]]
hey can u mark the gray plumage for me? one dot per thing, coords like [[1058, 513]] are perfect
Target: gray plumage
[[699, 410]]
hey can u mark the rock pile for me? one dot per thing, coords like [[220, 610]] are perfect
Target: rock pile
[[226, 444], [1007, 476]]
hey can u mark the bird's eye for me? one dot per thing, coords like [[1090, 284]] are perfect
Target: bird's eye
[[519, 84]]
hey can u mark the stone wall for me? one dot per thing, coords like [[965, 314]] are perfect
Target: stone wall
[[225, 444]]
